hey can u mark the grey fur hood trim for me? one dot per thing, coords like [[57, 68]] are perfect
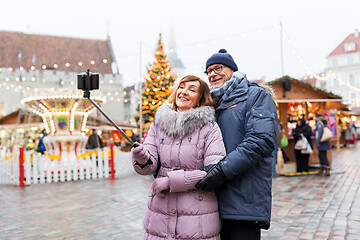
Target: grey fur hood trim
[[269, 89], [179, 124]]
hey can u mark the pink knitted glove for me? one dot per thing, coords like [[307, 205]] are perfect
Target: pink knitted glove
[[159, 186], [140, 154]]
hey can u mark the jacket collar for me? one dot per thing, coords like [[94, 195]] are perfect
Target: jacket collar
[[238, 94], [179, 124]]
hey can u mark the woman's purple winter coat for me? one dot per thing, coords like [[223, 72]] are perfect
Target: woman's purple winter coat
[[183, 142]]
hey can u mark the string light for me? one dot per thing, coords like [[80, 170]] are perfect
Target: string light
[[72, 116], [323, 76], [55, 66], [201, 43], [84, 122], [16, 87], [39, 98]]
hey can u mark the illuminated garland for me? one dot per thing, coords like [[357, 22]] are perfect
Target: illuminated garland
[[158, 84], [50, 66]]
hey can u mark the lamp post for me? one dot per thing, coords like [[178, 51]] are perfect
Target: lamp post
[[140, 92], [281, 49]]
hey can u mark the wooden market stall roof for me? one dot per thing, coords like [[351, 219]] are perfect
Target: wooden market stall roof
[[289, 89], [20, 116]]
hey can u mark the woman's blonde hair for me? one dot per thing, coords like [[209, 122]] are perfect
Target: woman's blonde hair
[[205, 98]]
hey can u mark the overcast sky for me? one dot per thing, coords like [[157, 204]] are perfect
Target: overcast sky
[[249, 30]]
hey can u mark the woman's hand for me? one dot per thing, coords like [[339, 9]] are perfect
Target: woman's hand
[[140, 154], [159, 186]]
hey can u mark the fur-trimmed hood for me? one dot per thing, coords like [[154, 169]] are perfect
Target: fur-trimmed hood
[[179, 124], [269, 89], [266, 87]]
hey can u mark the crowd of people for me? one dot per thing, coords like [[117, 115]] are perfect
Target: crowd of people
[[303, 130]]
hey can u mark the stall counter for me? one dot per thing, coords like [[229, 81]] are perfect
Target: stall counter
[[314, 159]]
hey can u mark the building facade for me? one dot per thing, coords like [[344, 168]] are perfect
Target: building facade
[[343, 67], [131, 103], [29, 62]]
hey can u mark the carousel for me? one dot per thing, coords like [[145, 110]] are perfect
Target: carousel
[[64, 113]]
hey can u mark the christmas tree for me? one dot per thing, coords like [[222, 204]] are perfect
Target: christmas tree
[[158, 84]]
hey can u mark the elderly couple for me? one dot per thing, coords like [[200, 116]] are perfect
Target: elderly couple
[[214, 166]]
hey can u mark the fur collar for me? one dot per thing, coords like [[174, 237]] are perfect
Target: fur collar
[[179, 124]]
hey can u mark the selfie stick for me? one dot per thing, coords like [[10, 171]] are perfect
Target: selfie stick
[[110, 120], [87, 95]]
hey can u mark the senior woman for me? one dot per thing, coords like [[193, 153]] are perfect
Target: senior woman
[[183, 138]]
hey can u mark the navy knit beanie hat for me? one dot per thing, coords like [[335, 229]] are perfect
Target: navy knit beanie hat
[[222, 57]]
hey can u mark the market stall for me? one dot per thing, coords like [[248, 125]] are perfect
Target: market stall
[[296, 99], [20, 128]]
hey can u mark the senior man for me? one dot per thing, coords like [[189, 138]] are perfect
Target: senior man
[[246, 114]]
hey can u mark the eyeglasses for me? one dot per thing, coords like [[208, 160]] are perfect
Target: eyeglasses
[[215, 69]]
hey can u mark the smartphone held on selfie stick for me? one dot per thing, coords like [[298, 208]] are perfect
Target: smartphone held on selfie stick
[[88, 81]]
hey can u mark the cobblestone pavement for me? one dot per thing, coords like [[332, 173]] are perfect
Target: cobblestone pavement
[[305, 207]]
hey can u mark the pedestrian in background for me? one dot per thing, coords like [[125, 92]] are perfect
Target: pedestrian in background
[[277, 148], [41, 146], [302, 159], [247, 116], [94, 141], [350, 134], [183, 138], [322, 147]]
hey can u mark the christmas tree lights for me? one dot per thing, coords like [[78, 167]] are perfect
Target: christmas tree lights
[[158, 84]]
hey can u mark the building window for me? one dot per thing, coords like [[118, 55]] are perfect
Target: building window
[[334, 62], [353, 96], [352, 80], [350, 60], [349, 47], [336, 83]]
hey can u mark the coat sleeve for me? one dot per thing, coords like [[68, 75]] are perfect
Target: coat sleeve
[[295, 135], [214, 151], [319, 129], [151, 147], [260, 134], [308, 132]]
